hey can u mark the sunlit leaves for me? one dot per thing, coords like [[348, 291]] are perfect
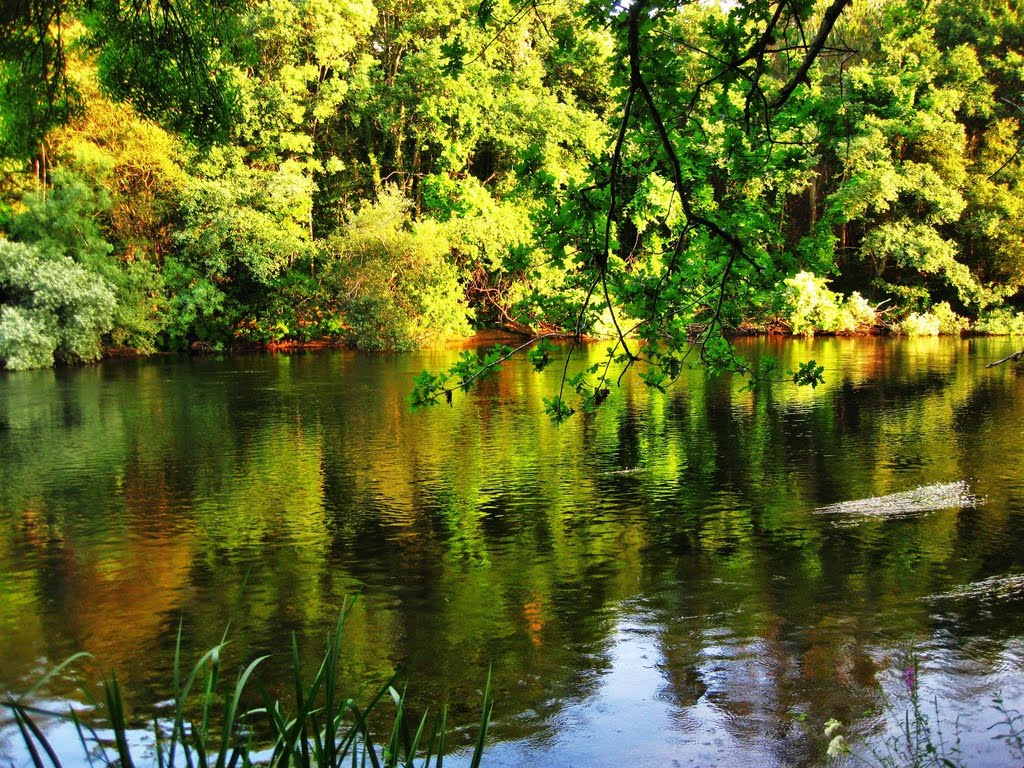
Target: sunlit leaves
[[391, 278], [429, 388], [915, 111]]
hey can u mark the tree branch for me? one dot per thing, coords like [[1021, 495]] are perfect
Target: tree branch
[[827, 23]]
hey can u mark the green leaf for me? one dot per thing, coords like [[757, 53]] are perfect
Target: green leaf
[[809, 373]]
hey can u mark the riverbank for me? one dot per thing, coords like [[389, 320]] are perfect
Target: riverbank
[[490, 336]]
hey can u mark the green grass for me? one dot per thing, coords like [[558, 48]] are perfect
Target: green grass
[[212, 729]]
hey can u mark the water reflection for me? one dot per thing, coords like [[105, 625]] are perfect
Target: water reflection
[[650, 582]]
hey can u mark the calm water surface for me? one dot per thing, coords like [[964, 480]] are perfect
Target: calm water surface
[[651, 584]]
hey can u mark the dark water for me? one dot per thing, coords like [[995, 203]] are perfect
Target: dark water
[[651, 584]]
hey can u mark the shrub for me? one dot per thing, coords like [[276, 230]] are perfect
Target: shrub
[[196, 306], [916, 324], [295, 309], [949, 321], [66, 224], [50, 306], [392, 278], [940, 319], [855, 313], [1001, 322], [242, 224], [241, 228], [813, 307], [141, 312], [26, 338]]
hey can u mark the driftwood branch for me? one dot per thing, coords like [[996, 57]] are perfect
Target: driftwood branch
[[1015, 357]]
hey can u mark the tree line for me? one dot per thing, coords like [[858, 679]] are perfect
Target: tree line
[[386, 173]]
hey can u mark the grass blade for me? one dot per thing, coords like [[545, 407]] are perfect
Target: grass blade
[[231, 711], [43, 741], [359, 725], [444, 735], [80, 729], [485, 721], [410, 754], [52, 673], [28, 728], [115, 711], [158, 743], [332, 708]]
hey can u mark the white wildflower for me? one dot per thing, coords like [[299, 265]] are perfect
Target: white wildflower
[[838, 746]]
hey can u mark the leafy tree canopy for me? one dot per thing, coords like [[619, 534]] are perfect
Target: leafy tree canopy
[[383, 171]]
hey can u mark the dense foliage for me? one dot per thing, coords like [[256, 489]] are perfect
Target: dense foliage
[[389, 173]]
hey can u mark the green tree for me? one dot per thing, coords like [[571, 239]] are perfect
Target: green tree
[[679, 227], [907, 166], [165, 58], [991, 228]]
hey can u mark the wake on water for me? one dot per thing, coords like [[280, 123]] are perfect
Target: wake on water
[[1007, 587], [926, 498], [929, 498]]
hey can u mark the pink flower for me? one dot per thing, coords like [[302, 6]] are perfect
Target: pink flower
[[910, 678]]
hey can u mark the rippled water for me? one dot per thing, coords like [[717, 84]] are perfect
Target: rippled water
[[652, 584]]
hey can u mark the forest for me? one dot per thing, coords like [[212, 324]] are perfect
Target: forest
[[391, 173]]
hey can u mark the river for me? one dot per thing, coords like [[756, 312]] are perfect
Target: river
[[654, 584]]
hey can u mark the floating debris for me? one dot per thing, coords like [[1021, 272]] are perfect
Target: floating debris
[[927, 498], [1006, 587]]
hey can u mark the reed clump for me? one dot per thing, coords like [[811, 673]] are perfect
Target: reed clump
[[211, 728]]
